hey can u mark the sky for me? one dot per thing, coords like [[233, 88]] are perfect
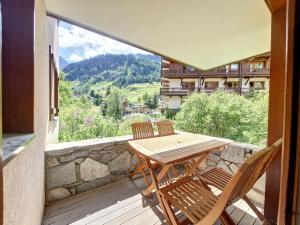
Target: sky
[[76, 44]]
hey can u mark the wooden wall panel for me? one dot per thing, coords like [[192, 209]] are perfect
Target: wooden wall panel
[[276, 111], [18, 66]]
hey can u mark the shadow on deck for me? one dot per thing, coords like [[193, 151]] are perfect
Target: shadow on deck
[[122, 203]]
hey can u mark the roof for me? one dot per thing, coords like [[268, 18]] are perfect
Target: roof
[[201, 33]]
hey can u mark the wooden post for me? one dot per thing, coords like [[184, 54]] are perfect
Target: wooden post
[[289, 191], [240, 78], [276, 111], [18, 66]]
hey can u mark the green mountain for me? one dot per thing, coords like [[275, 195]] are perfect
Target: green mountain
[[121, 69]]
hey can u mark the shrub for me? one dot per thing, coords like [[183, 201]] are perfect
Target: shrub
[[227, 115]]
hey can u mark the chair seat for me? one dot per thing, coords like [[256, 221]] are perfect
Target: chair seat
[[216, 177], [191, 197]]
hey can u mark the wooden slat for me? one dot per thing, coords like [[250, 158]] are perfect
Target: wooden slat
[[178, 147], [165, 127], [141, 214]]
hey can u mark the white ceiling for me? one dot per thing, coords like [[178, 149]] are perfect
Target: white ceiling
[[202, 33]]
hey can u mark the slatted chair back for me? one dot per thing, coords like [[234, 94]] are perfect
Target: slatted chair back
[[165, 127], [142, 130], [254, 168], [243, 180]]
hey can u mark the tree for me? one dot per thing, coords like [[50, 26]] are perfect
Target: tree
[[150, 101], [114, 104], [226, 115], [107, 93], [92, 93]]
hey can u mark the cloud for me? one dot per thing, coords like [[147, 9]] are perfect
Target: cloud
[[77, 44], [75, 57]]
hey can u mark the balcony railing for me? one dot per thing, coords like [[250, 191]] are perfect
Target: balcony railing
[[216, 72], [179, 73], [183, 92], [176, 91], [245, 72]]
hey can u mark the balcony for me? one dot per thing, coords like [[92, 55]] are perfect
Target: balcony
[[235, 73], [176, 91], [75, 194], [185, 73]]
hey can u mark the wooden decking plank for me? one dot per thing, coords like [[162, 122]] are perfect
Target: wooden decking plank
[[248, 219], [239, 212], [104, 192], [112, 215], [113, 204], [148, 217], [140, 210], [258, 222], [104, 212], [88, 211]]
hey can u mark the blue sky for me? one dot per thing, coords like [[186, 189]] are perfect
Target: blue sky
[[76, 44]]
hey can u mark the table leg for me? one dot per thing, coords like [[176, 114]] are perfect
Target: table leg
[[196, 164], [158, 178], [155, 181]]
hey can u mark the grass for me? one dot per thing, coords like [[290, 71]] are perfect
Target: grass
[[132, 92], [135, 91]]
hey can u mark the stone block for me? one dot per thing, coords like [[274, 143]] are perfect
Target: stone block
[[121, 162], [234, 153], [234, 168], [223, 165], [73, 156], [51, 162], [214, 157], [57, 193], [93, 184], [61, 175], [211, 163], [103, 157], [247, 155], [91, 170]]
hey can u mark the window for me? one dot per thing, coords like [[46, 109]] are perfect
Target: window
[[188, 86], [257, 85], [232, 84], [211, 85]]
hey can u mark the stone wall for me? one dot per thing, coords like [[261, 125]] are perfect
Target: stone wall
[[75, 167], [231, 158]]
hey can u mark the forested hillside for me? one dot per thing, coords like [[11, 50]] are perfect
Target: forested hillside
[[121, 69]]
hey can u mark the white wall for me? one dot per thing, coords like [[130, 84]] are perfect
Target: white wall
[[24, 174]]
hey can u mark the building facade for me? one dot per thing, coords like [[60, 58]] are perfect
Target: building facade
[[178, 80]]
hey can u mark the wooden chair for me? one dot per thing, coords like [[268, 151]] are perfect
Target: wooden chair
[[165, 127], [141, 130], [200, 205]]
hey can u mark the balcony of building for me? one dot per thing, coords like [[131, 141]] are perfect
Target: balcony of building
[[87, 183]]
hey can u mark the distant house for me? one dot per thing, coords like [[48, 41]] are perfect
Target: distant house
[[179, 80]]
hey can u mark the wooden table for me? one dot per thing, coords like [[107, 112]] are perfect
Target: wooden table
[[174, 149]]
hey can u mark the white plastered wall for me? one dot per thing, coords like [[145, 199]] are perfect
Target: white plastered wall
[[24, 174]]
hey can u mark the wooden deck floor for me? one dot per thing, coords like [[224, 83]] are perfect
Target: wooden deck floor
[[122, 203]]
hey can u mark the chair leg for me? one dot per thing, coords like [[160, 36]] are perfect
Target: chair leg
[[226, 219], [253, 207], [170, 211]]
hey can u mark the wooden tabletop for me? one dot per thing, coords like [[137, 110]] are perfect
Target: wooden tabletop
[[175, 148]]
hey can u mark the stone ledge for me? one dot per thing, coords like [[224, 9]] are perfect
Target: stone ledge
[[69, 147]]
